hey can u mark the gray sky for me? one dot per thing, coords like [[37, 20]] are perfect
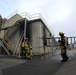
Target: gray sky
[[60, 15]]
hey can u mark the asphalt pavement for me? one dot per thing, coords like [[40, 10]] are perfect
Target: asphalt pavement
[[39, 65]]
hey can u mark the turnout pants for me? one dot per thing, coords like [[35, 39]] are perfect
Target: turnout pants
[[64, 54]]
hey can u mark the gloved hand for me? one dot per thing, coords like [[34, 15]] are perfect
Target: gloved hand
[[59, 40]]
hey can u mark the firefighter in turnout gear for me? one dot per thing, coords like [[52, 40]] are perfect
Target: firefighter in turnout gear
[[27, 49], [63, 45]]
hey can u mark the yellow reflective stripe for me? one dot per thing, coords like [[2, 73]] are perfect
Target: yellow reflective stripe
[[62, 47], [23, 44], [27, 48]]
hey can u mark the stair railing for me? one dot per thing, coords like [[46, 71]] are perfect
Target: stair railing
[[7, 45], [14, 29], [19, 43], [9, 42], [10, 29]]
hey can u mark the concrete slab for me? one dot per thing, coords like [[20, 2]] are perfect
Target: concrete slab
[[9, 62], [42, 65]]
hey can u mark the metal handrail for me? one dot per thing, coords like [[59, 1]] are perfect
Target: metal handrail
[[9, 32], [8, 46], [11, 44], [19, 45], [15, 12], [19, 42], [34, 17], [13, 31], [25, 14]]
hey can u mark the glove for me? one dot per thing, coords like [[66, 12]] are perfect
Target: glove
[[59, 40]]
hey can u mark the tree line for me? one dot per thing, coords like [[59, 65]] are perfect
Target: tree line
[[2, 20]]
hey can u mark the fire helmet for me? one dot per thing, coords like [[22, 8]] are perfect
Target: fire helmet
[[61, 33]]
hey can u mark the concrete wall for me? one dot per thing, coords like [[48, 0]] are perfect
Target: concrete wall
[[11, 21], [35, 35], [15, 37], [49, 41], [2, 34], [36, 31]]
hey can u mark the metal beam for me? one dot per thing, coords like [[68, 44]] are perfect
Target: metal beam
[[25, 24]]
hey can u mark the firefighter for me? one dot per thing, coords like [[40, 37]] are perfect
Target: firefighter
[[27, 52], [63, 45]]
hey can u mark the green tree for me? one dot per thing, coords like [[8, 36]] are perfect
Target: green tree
[[1, 21], [4, 20]]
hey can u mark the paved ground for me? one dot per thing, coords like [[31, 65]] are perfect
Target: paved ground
[[9, 62], [69, 67], [42, 65]]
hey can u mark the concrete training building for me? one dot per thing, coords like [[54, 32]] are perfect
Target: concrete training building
[[17, 28]]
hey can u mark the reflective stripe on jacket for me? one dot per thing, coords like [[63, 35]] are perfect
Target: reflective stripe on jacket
[[26, 45]]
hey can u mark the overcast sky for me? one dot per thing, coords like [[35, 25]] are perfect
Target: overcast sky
[[60, 15]]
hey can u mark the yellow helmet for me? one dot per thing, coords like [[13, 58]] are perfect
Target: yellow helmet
[[60, 33]]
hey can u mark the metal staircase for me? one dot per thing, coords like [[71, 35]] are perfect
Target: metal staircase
[[8, 46], [12, 30], [17, 48], [4, 47]]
